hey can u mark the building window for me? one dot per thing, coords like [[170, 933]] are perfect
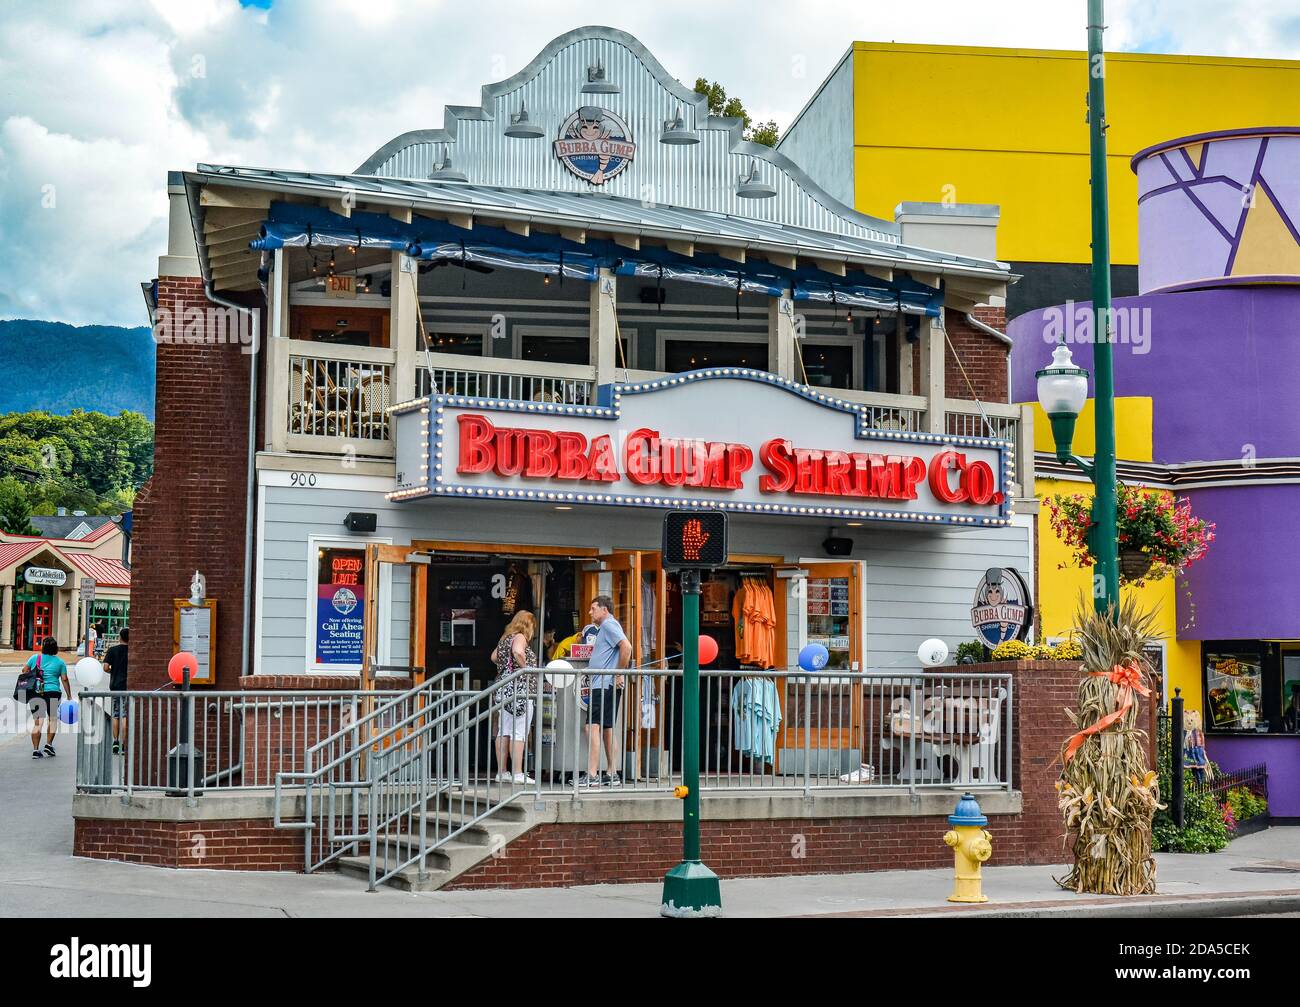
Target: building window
[[336, 604], [112, 614], [1243, 686], [829, 365], [556, 345], [461, 342], [691, 354]]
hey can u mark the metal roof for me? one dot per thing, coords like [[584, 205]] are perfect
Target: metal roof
[[13, 553], [601, 212], [644, 96], [104, 572], [64, 525]]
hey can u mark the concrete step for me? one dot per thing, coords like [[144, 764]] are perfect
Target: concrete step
[[474, 803], [408, 879], [453, 857]]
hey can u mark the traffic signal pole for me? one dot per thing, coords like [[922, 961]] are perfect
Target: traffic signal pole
[[690, 888]]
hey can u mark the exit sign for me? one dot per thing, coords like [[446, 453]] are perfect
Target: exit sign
[[340, 286], [695, 539]]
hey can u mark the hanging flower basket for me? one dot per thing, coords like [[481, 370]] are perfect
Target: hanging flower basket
[[1156, 533], [1134, 564]]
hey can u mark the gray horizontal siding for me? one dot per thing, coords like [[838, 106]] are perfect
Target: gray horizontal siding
[[922, 586], [918, 582]]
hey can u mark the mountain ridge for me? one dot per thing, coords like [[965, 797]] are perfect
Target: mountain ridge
[[57, 367]]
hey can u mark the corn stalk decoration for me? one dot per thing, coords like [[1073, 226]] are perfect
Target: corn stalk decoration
[[1107, 794]]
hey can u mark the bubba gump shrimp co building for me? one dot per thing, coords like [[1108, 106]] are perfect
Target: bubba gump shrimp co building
[[486, 363]]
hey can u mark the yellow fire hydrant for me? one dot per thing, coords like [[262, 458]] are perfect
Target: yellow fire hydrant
[[971, 846]]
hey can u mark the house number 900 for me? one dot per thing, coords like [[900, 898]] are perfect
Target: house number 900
[[302, 478]]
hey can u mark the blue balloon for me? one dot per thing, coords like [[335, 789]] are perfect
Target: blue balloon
[[813, 657], [69, 710]]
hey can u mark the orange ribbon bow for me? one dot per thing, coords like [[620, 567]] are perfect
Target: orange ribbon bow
[[1129, 679]]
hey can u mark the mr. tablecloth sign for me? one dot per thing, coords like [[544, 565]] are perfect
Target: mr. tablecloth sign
[[728, 438]]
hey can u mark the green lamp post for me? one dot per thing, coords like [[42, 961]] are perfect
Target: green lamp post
[[1062, 386]]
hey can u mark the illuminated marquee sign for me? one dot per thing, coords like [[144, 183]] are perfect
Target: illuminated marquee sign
[[728, 438]]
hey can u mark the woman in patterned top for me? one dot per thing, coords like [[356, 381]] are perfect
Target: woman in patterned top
[[514, 652]]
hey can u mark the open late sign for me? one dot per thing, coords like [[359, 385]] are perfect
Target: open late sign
[[695, 539]]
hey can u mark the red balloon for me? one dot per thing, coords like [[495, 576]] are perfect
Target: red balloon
[[708, 650], [177, 665]]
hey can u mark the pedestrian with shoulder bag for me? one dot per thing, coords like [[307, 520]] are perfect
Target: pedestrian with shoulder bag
[[45, 682], [513, 653]]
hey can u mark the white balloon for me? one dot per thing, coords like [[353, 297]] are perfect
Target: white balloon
[[932, 652], [559, 680], [89, 673]]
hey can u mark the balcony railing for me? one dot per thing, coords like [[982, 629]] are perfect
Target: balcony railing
[[339, 396], [346, 399], [985, 419], [503, 379]]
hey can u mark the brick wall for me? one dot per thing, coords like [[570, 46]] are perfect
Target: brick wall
[[557, 855], [233, 845], [190, 516], [983, 356]]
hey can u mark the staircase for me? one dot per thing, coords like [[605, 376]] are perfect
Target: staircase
[[478, 841], [394, 798]]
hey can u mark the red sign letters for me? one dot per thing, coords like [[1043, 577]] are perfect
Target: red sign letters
[[652, 460]]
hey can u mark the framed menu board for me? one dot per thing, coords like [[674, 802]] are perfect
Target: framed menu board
[[193, 631]]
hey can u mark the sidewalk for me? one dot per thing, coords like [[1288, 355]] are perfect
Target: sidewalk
[[40, 877]]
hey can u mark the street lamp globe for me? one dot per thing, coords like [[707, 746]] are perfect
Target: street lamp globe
[[1062, 392]]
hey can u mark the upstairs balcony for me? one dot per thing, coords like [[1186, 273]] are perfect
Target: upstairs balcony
[[336, 365]]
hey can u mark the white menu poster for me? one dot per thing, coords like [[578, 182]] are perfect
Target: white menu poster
[[196, 637]]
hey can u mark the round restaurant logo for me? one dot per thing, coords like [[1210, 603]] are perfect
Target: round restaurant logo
[[1002, 609], [344, 601], [595, 144]]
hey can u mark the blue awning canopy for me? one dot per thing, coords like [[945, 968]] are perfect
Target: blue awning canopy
[[886, 297], [298, 225]]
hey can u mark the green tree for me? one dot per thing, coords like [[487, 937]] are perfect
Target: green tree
[[15, 510], [765, 133], [84, 461]]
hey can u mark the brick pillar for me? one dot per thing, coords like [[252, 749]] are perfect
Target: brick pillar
[[1043, 692], [983, 357], [190, 515]]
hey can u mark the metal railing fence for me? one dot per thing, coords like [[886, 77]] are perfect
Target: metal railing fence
[[777, 730]]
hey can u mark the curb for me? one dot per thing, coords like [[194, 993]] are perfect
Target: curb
[[1209, 905]]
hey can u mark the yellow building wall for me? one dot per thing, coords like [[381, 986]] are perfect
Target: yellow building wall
[[1061, 584], [1006, 126]]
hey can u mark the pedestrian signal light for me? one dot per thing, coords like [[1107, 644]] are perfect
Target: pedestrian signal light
[[695, 539]]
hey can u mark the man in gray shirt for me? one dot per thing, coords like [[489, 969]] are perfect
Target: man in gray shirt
[[610, 651]]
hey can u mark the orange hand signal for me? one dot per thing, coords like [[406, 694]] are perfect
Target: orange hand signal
[[693, 539]]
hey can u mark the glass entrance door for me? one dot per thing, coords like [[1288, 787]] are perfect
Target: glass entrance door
[[823, 705]]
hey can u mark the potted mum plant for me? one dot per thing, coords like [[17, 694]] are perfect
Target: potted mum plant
[[1157, 534]]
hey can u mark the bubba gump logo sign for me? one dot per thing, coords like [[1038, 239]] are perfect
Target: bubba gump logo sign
[[1002, 609], [769, 447], [595, 144]]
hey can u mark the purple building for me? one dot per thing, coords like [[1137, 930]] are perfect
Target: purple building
[[1214, 340]]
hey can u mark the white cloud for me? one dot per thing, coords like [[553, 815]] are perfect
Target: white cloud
[[103, 97]]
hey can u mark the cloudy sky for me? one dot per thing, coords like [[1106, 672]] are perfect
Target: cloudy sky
[[98, 98]]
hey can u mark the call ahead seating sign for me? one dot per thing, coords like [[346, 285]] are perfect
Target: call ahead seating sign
[[695, 539]]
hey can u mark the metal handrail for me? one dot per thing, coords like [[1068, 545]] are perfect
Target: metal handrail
[[401, 792]]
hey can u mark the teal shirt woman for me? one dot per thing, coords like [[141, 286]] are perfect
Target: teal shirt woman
[[45, 704]]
